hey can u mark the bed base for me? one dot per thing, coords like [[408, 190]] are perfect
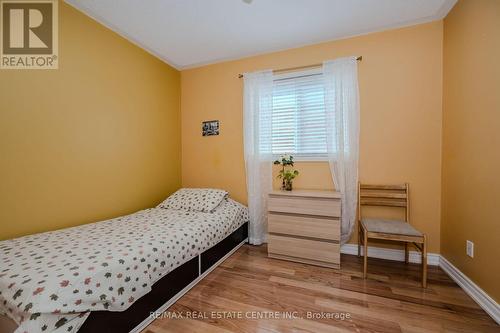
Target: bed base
[[167, 290]]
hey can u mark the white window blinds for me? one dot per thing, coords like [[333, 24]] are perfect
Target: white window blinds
[[298, 120]]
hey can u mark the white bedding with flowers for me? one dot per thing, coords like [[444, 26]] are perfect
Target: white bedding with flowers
[[50, 282]]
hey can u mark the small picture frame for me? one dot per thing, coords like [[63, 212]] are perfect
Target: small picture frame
[[210, 127]]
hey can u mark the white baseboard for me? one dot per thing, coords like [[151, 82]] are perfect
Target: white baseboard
[[487, 303], [391, 254]]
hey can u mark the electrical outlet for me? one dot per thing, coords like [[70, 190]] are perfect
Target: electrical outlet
[[470, 249]]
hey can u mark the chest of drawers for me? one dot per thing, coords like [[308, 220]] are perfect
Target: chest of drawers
[[304, 226]]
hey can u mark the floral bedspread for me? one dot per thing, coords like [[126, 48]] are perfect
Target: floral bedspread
[[50, 282]]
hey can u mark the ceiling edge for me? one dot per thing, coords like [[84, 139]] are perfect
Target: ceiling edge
[[445, 8], [122, 34], [440, 14], [359, 34]]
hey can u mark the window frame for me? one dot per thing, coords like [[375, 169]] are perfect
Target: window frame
[[301, 157]]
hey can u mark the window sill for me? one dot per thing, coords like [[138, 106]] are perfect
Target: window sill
[[320, 158]]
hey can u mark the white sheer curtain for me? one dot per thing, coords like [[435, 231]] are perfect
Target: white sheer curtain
[[342, 111], [257, 113]]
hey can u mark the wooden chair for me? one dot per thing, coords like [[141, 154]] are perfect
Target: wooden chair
[[389, 196]]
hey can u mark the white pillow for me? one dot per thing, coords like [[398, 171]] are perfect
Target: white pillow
[[195, 199]]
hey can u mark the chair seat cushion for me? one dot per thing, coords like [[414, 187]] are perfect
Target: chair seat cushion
[[390, 227]]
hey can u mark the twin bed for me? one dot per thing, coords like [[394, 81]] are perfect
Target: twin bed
[[109, 276]]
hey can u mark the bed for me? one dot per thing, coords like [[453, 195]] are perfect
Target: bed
[[108, 276]]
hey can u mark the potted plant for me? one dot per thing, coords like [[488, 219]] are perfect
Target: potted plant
[[287, 173]]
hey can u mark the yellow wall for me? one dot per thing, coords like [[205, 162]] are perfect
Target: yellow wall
[[101, 136], [97, 138], [471, 141], [400, 81]]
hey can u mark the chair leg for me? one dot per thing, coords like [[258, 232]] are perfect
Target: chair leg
[[407, 253], [359, 240], [365, 259], [424, 263]]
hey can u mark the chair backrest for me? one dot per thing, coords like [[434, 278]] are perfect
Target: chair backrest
[[384, 195]]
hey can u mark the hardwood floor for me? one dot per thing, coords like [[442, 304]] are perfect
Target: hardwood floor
[[248, 284]]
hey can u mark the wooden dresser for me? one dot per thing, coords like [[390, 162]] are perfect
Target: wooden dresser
[[304, 226]]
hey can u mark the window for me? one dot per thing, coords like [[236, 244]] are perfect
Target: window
[[298, 120]]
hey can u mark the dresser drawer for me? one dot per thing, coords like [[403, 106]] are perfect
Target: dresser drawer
[[306, 226], [304, 249], [304, 205]]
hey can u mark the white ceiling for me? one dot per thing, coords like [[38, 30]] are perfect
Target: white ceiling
[[190, 33]]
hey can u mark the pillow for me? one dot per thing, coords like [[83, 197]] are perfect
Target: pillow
[[195, 199]]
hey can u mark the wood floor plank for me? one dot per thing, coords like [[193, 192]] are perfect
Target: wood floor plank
[[391, 300]]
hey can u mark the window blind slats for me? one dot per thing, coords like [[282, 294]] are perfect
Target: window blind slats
[[298, 120]]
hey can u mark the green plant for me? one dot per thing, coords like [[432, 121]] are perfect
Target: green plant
[[287, 173]]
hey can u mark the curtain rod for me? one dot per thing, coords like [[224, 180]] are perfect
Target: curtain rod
[[299, 67]]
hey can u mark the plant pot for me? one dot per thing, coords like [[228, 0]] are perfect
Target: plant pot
[[288, 185]]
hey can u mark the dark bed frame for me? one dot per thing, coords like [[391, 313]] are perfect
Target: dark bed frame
[[166, 290]]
